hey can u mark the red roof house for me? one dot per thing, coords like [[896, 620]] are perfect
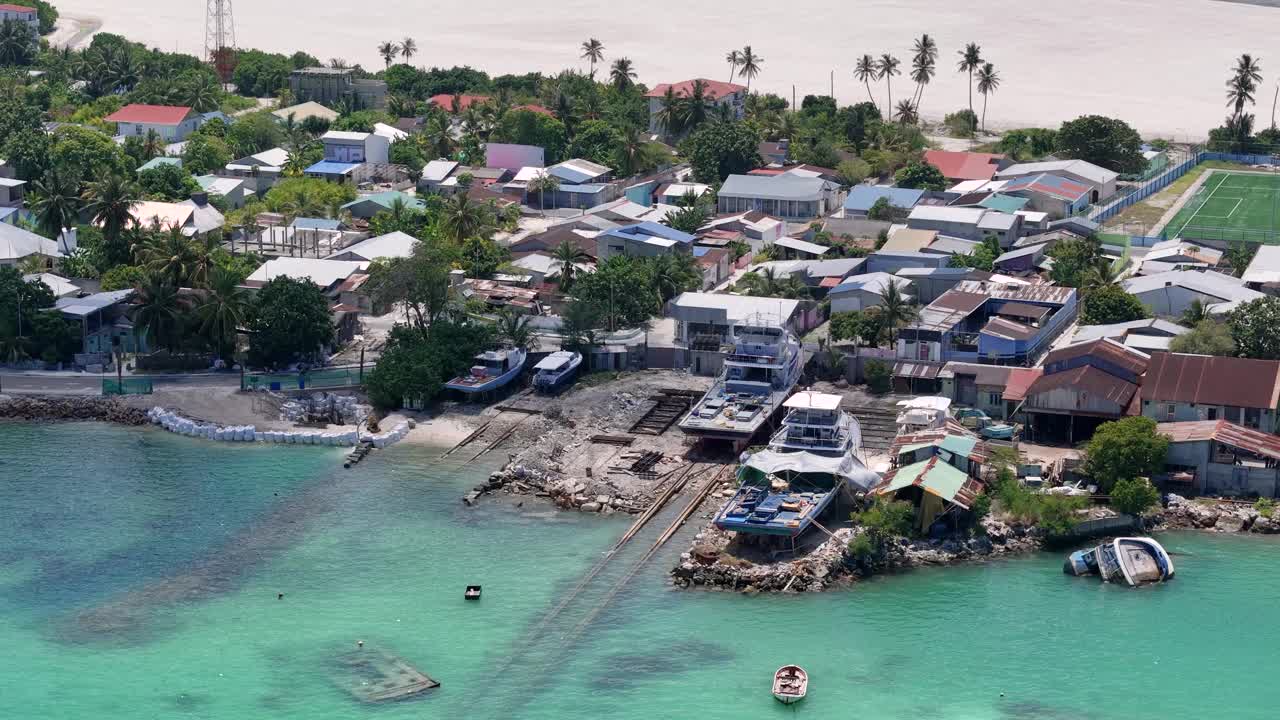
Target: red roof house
[[714, 89], [959, 166], [150, 114], [445, 100]]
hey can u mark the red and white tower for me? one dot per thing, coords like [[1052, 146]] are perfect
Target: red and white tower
[[220, 38]]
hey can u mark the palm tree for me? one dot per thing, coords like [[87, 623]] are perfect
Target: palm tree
[[886, 68], [108, 203], [896, 309], [1195, 313], [673, 274], [623, 73], [202, 94], [671, 116], [1240, 88], [159, 311], [631, 152], [750, 63], [203, 259], [462, 219], [152, 144], [17, 43], [542, 185], [222, 311], [514, 329], [734, 58], [970, 60], [55, 201], [865, 72], [988, 82], [388, 50], [697, 106], [906, 113], [924, 64], [408, 48], [568, 256], [169, 255], [593, 50]]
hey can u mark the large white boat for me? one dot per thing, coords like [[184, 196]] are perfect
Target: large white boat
[[758, 376], [556, 371], [1130, 560], [493, 369], [808, 463]]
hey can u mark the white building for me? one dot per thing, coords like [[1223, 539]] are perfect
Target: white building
[[966, 222], [1169, 294], [1102, 180], [21, 14], [865, 291], [172, 123]]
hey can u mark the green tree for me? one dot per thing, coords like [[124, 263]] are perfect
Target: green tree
[[1126, 448], [462, 218], [1072, 260], [55, 201], [593, 51], [852, 172], [568, 256], [254, 133], [1253, 327], [525, 127], [1208, 337], [260, 74], [886, 68], [970, 60], [920, 175], [623, 73], [882, 521], [623, 288], [83, 154], [204, 154], [290, 322], [988, 83], [17, 43], [159, 313], [597, 141], [581, 326], [167, 183], [1103, 141], [1110, 304], [1134, 496], [123, 277], [222, 310], [896, 309], [749, 65], [1239, 255], [415, 365], [863, 327], [108, 203], [718, 150], [983, 258]]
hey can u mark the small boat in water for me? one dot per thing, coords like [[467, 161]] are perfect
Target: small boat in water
[[494, 369], [556, 370], [1133, 561], [790, 684], [472, 593]]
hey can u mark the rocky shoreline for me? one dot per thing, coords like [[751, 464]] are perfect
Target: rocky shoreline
[[1209, 515], [566, 493], [710, 564], [47, 409]]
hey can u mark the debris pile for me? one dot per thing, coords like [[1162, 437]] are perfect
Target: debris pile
[[324, 408]]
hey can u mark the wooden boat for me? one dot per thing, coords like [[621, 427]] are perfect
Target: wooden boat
[[493, 369], [790, 684], [1133, 561], [472, 593]]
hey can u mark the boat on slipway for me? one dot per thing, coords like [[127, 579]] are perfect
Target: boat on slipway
[[494, 369], [807, 464], [1133, 561], [556, 371], [759, 375]]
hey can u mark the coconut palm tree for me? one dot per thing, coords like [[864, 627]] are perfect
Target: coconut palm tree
[[17, 43], [750, 64], [906, 113], [886, 68], [734, 58], [970, 61], [988, 82], [1243, 83], [55, 201], [671, 115], [169, 255], [674, 273], [389, 51], [202, 93], [542, 185], [865, 71], [461, 219], [203, 258], [924, 63], [593, 50], [513, 328], [222, 310], [1195, 313], [631, 152], [696, 106], [408, 48], [568, 256], [108, 203], [623, 73], [158, 312], [896, 309]]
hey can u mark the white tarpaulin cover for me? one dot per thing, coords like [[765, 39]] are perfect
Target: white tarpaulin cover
[[770, 462]]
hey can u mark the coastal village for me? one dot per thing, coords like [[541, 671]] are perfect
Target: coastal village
[[829, 341]]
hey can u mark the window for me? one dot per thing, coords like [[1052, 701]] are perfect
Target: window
[[994, 398], [1170, 410], [1213, 413]]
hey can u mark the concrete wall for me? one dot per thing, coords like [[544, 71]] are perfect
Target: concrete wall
[[1185, 412]]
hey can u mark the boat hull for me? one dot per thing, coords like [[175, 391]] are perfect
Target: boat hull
[[497, 382], [1126, 561], [790, 684]]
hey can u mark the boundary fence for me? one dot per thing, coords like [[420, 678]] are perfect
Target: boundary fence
[[130, 386], [319, 379]]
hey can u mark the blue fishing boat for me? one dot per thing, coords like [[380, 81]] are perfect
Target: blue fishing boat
[[807, 465], [556, 371], [493, 369]]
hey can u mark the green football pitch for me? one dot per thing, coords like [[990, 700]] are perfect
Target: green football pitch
[[1231, 206]]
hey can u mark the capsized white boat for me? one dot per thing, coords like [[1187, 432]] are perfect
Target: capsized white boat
[[790, 684], [1133, 561]]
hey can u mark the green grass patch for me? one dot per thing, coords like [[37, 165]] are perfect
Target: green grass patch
[[1231, 206]]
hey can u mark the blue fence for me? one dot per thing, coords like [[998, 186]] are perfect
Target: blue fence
[[1161, 182]]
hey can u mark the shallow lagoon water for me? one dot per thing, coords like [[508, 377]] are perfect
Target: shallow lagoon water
[[139, 574]]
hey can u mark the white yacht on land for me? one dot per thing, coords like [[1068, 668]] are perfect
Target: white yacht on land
[[758, 376], [808, 463]]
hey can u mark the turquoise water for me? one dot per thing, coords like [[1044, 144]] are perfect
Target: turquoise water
[[139, 573]]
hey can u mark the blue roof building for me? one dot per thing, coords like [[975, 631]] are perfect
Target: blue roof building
[[862, 197], [645, 239], [339, 172]]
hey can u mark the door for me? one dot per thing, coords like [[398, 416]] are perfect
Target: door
[[966, 390]]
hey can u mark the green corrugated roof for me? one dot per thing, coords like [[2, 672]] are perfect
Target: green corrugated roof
[[1004, 203], [942, 479], [156, 162], [959, 444]]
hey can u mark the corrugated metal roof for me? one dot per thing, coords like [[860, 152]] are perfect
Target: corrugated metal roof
[[1018, 309], [1208, 380], [1020, 380], [984, 375], [777, 187], [935, 477], [1087, 378], [964, 165], [1254, 441], [1008, 329], [916, 369], [150, 114], [862, 197], [1105, 349]]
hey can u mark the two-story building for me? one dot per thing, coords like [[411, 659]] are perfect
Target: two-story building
[[1083, 386], [969, 223], [346, 152], [985, 322], [329, 86], [173, 123], [21, 14], [716, 92]]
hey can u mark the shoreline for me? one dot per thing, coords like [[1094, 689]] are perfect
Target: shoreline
[[74, 31]]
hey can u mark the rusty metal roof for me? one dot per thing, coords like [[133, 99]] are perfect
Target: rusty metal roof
[[1087, 379], [1019, 381], [1106, 349], [1208, 380], [916, 369], [1008, 329], [1254, 441], [983, 375], [1023, 310]]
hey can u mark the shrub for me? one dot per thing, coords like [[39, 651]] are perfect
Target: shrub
[[1055, 514], [961, 123], [862, 547], [1265, 506], [1133, 496], [879, 376], [887, 518]]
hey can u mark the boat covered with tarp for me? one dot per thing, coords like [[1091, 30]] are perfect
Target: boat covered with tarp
[[1133, 561]]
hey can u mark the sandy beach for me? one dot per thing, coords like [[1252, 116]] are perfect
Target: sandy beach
[[1159, 64]]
